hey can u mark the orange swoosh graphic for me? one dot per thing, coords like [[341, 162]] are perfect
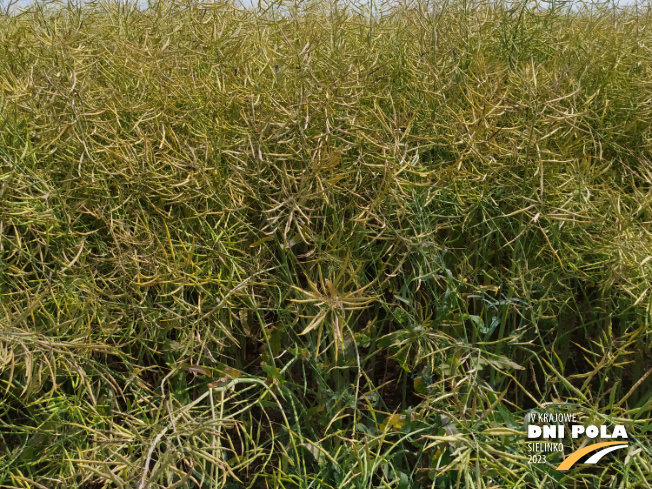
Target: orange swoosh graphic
[[578, 454]]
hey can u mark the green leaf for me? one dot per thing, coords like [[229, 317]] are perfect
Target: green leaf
[[404, 481]]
